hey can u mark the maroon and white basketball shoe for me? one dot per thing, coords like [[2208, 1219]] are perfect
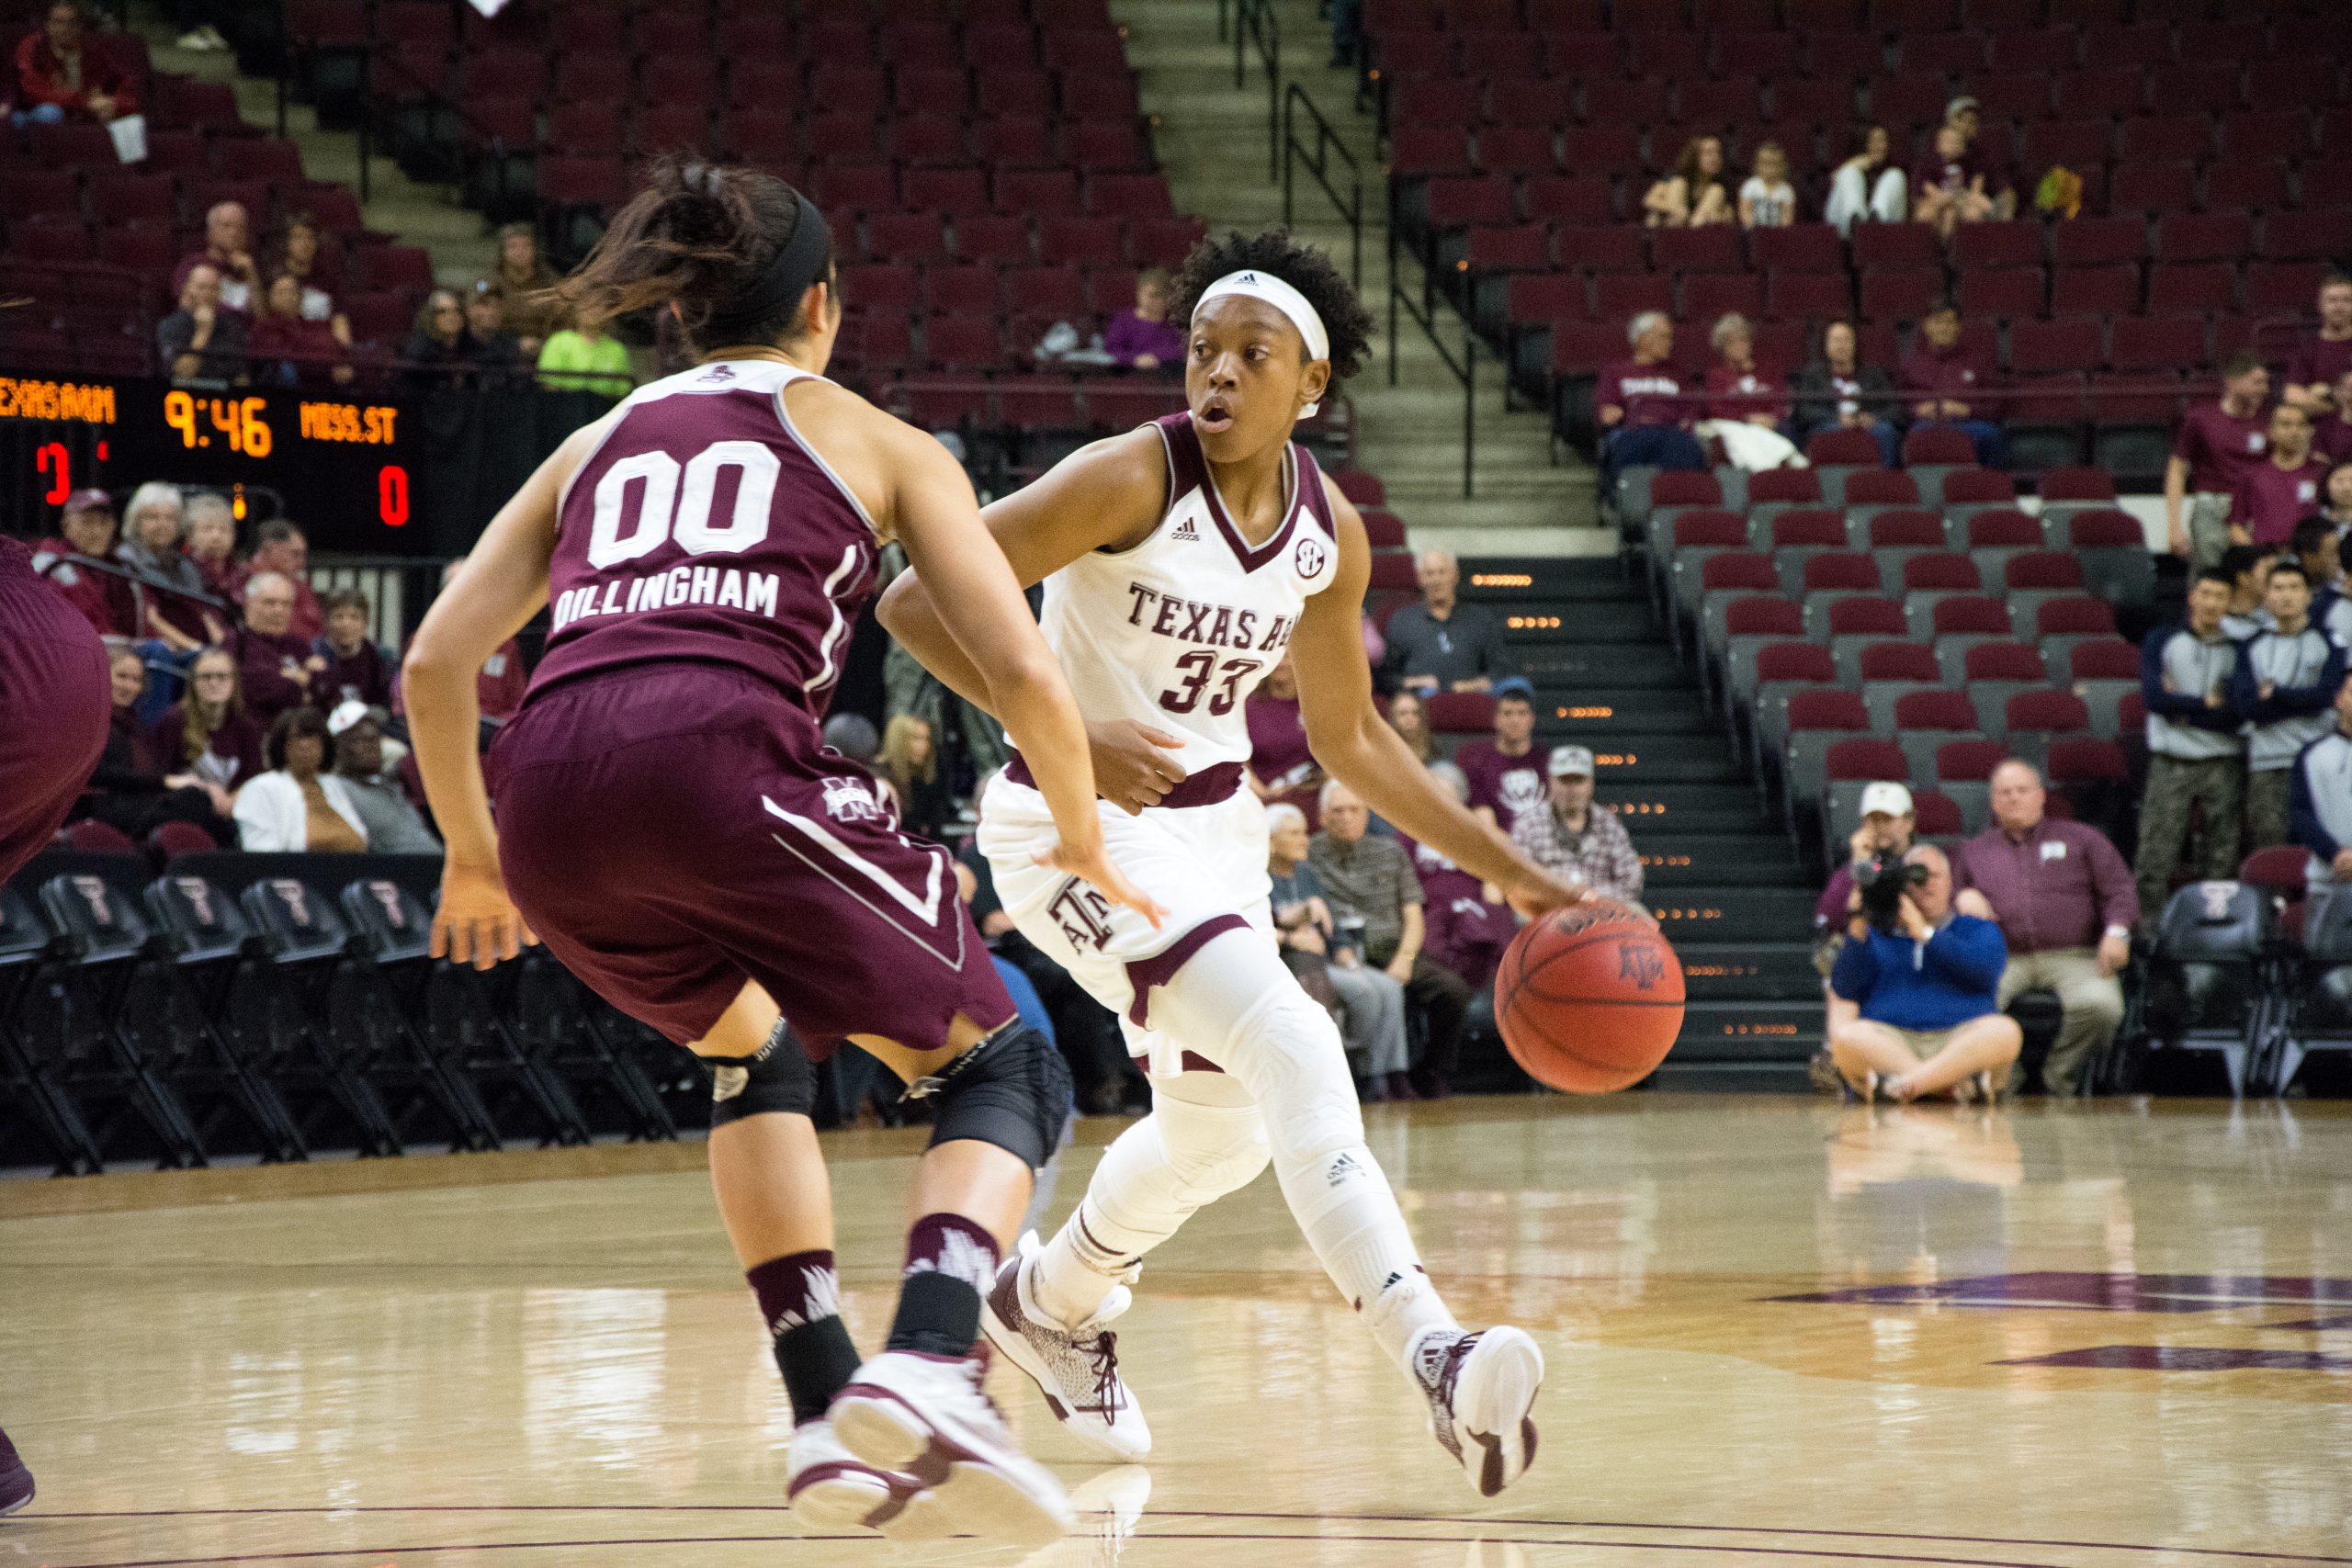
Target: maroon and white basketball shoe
[[926, 1417], [1076, 1368], [831, 1489], [1482, 1392], [16, 1481]]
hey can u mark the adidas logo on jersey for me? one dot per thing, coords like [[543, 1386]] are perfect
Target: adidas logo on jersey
[[1186, 530]]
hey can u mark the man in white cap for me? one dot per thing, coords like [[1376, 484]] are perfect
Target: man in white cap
[[394, 824], [1885, 832], [1576, 840]]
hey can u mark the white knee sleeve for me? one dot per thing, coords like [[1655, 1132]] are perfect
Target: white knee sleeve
[[1211, 1150]]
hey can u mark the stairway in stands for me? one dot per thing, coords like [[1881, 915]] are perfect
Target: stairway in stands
[[1722, 876]]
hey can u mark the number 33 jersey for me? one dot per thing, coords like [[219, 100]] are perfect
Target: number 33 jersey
[[1176, 632]]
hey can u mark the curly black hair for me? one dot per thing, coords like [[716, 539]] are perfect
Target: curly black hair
[[1345, 320]]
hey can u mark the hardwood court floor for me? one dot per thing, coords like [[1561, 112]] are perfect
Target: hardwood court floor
[[2091, 1336]]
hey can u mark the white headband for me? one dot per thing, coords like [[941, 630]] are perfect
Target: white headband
[[1282, 298]]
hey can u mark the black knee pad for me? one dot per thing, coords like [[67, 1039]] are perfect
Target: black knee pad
[[1012, 1089], [777, 1077]]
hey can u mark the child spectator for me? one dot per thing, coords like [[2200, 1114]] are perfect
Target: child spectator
[[207, 732], [357, 670], [1768, 200], [1950, 192], [1144, 338]]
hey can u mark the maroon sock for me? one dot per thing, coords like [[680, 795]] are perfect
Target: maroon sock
[[801, 1301], [951, 1263]]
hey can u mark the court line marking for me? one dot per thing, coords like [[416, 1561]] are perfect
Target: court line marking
[[2233, 1552]]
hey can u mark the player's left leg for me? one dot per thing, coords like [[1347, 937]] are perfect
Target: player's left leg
[[16, 1481]]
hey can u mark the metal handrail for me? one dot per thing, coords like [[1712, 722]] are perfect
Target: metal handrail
[[1424, 312], [1253, 22], [1317, 162]]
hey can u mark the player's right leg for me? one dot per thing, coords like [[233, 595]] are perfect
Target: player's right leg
[[16, 1481]]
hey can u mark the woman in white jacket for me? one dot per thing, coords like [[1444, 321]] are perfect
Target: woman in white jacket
[[296, 805]]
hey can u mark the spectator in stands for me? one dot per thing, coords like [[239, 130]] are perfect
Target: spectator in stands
[[302, 255], [1962, 114], [228, 250], [1574, 839], [2283, 688], [211, 529], [391, 820], [274, 661], [585, 358], [2313, 545], [1868, 185], [2320, 806], [296, 805], [203, 342], [1888, 824], [1831, 393], [1144, 338], [2337, 506], [2273, 495], [1927, 1021], [909, 763], [2331, 433], [1369, 1003], [1767, 199], [179, 620], [1947, 191], [86, 527], [1506, 777], [2217, 444], [2248, 569], [502, 352], [441, 352], [1636, 401], [1282, 766], [1747, 404], [1949, 373], [523, 281], [354, 668], [2196, 756], [2065, 903], [1409, 717], [286, 348], [1695, 194], [129, 791], [1443, 644], [207, 732], [2325, 356], [61, 77], [1376, 905], [280, 546]]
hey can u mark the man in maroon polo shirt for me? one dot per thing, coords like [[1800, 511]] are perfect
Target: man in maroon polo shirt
[[2065, 901], [1636, 401], [2273, 496], [2219, 443], [1945, 376], [274, 661], [2322, 359], [2332, 435]]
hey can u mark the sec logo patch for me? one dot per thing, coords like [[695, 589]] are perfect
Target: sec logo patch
[[1311, 557]]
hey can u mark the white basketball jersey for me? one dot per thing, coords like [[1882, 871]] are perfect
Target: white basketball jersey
[[1178, 631]]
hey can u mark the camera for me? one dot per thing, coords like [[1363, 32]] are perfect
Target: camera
[[1882, 883]]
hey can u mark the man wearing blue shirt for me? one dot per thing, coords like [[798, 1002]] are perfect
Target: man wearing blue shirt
[[1925, 988]]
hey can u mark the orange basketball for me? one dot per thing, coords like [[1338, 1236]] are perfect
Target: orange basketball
[[1590, 997]]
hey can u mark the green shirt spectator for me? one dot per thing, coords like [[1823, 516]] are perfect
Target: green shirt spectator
[[575, 361]]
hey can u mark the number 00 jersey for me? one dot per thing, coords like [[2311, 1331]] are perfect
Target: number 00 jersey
[[1178, 631]]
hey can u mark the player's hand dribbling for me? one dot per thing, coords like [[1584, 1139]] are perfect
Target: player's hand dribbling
[[1133, 763], [477, 923], [1094, 867], [1539, 892]]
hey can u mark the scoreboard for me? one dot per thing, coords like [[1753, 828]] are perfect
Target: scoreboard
[[348, 469]]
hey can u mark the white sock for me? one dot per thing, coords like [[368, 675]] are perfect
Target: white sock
[[1347, 1211]]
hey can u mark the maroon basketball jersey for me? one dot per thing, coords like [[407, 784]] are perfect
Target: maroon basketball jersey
[[703, 529]]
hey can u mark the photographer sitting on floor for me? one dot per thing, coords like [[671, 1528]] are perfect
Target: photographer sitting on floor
[[1924, 978]]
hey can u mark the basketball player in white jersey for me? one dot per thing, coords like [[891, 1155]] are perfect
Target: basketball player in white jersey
[[1180, 560]]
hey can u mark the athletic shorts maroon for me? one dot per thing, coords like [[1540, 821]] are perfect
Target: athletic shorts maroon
[[672, 831], [54, 705]]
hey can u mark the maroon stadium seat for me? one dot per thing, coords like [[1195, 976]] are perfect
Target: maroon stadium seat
[[2157, 343], [1998, 291], [2094, 290], [1807, 296], [1865, 761], [2113, 660], [1900, 294], [1797, 487], [1842, 448], [2191, 285], [2046, 347]]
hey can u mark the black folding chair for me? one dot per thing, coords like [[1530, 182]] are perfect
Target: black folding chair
[[189, 1033], [289, 1004], [99, 960], [2212, 983], [29, 1009], [2319, 1013], [593, 1052]]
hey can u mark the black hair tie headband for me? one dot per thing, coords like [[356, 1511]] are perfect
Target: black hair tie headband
[[798, 263]]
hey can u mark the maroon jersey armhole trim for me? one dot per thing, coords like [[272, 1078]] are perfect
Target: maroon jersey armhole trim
[[793, 376]]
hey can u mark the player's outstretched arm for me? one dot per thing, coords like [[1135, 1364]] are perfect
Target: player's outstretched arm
[[1356, 746], [501, 586], [1108, 495], [980, 607]]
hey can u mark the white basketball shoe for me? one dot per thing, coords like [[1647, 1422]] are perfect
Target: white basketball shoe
[[925, 1418], [1482, 1392], [829, 1489], [1076, 1368]]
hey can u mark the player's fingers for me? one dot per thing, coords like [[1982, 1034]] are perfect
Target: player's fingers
[[440, 944], [530, 937], [454, 934], [510, 943], [1159, 737]]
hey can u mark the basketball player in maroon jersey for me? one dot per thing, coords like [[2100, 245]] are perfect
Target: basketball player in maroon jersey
[[670, 824], [54, 703]]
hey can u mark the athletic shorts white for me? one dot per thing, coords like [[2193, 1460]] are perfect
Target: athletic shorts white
[[1205, 864]]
